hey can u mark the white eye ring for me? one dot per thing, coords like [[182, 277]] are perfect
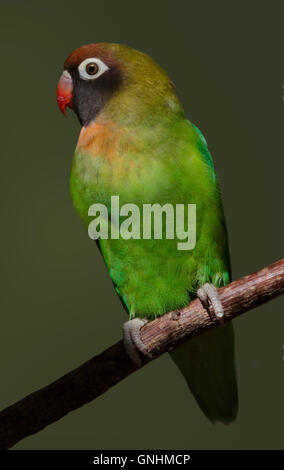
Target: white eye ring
[[102, 68]]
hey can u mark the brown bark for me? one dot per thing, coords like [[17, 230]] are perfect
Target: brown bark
[[96, 376]]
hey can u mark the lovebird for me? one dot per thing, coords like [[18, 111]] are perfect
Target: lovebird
[[136, 143]]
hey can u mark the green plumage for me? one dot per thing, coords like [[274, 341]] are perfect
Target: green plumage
[[142, 148]]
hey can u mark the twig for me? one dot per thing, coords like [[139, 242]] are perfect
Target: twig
[[92, 379]]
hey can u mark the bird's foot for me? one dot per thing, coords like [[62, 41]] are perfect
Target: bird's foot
[[132, 340], [209, 294]]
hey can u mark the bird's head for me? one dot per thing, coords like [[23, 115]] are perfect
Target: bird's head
[[95, 74]]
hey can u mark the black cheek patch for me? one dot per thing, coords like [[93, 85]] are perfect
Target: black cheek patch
[[90, 96]]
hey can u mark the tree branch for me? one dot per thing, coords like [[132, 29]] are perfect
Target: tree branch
[[92, 379]]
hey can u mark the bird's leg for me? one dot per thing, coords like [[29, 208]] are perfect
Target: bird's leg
[[132, 339], [209, 294]]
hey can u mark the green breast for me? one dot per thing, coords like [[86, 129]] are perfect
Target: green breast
[[165, 163]]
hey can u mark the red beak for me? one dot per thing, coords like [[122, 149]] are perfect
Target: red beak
[[65, 91]]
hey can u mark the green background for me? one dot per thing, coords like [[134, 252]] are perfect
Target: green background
[[58, 306]]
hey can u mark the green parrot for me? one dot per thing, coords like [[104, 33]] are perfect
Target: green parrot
[[136, 143]]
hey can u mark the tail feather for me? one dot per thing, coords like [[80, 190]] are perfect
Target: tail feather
[[208, 365]]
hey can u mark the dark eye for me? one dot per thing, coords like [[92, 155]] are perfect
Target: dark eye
[[92, 68]]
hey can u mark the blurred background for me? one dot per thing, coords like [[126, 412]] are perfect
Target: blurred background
[[58, 306]]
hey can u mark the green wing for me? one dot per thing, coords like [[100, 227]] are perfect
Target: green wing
[[170, 163]]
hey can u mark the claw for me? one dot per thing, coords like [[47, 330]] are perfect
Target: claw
[[208, 293], [132, 340]]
